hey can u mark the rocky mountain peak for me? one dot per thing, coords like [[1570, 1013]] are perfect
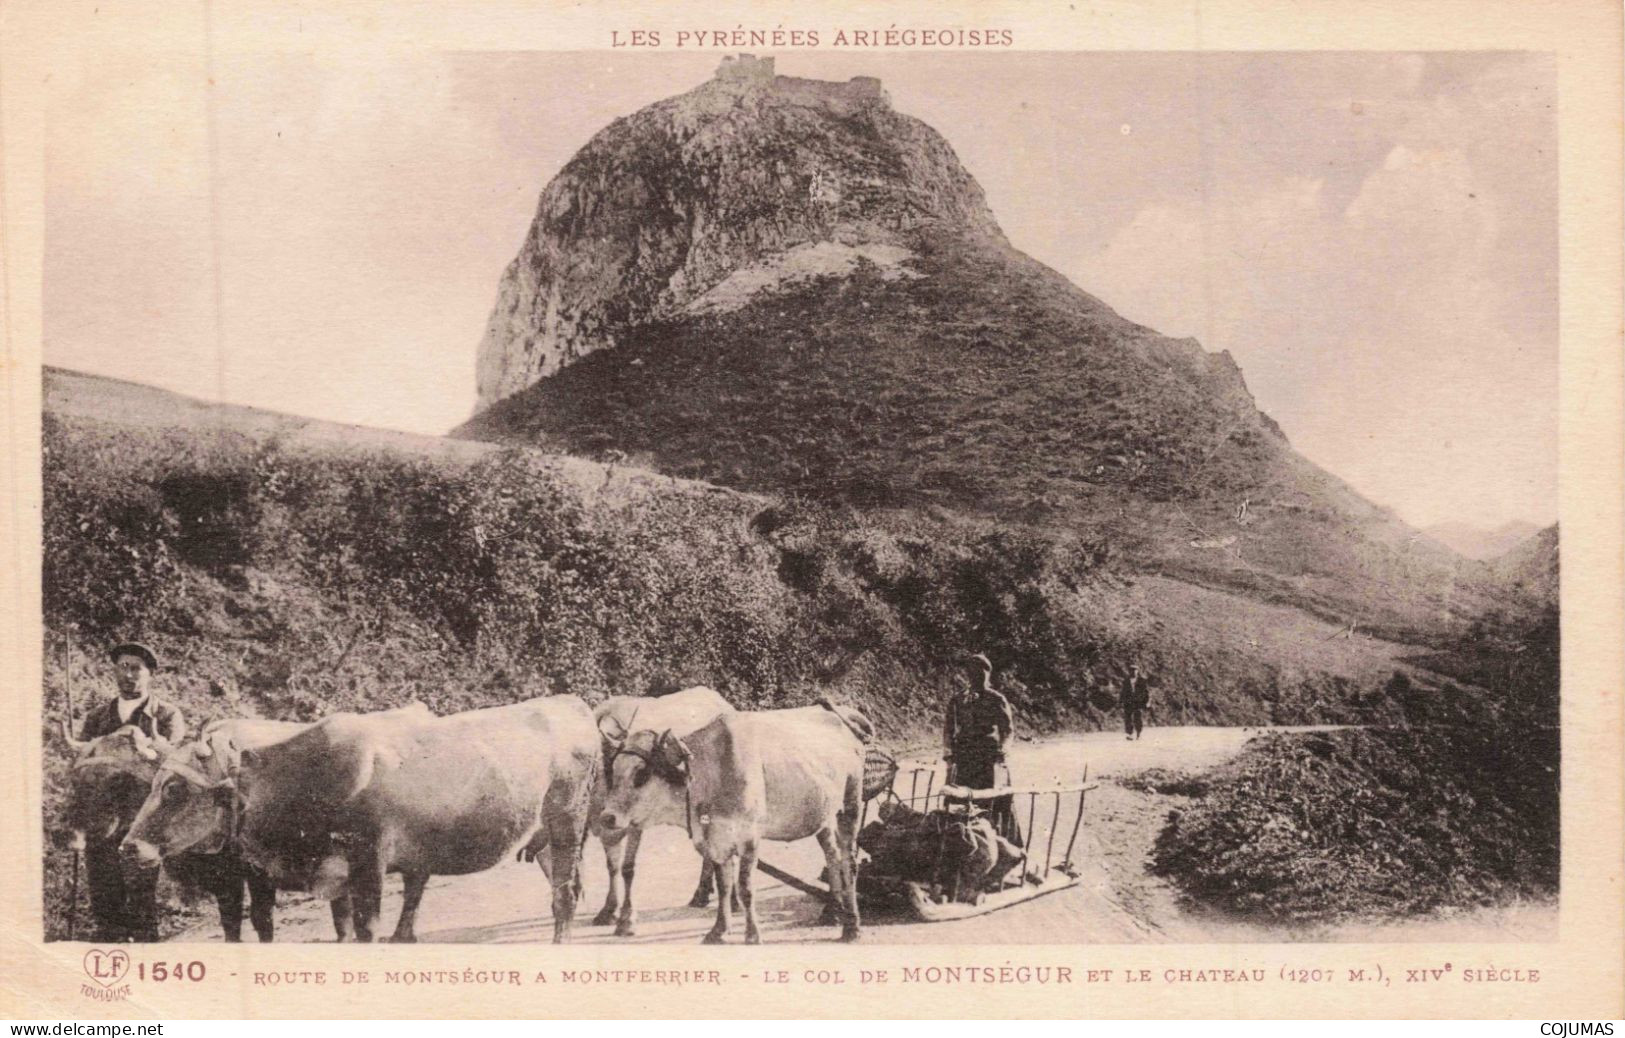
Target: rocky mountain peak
[[747, 181]]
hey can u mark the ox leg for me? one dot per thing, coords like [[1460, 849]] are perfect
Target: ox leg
[[702, 893], [747, 897], [846, 825], [615, 864], [367, 892], [562, 845], [726, 873], [228, 897], [342, 915], [627, 924], [840, 883], [415, 882], [261, 905], [564, 892]]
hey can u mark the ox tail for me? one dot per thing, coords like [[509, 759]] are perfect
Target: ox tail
[[854, 720]]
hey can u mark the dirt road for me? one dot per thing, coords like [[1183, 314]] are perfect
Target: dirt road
[[1117, 901]]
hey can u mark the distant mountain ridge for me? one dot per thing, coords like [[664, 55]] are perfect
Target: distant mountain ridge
[[786, 286], [1480, 542], [1531, 566]]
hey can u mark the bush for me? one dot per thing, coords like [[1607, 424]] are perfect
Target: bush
[[1323, 825], [107, 559]]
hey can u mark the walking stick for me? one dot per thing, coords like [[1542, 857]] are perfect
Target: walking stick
[[78, 838], [73, 891]]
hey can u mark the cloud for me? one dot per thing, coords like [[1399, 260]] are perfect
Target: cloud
[[1390, 335]]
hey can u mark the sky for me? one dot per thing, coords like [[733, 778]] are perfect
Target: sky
[[1372, 236]]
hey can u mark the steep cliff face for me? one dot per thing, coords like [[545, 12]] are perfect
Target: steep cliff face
[[665, 205]]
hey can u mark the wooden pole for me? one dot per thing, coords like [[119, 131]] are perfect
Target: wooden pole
[[793, 881], [1055, 819], [1083, 794], [73, 882]]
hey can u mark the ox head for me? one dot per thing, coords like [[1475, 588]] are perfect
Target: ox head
[[191, 804], [645, 776], [110, 777]]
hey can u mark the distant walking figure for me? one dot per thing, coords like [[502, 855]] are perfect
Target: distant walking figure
[[1136, 697]]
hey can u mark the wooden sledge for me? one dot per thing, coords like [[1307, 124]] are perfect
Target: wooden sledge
[[1038, 874], [926, 910]]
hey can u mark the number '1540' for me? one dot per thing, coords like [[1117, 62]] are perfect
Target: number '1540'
[[161, 971]]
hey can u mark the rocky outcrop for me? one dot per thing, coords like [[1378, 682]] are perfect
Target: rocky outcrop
[[784, 286], [662, 206]]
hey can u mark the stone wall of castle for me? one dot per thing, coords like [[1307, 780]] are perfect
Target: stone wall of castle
[[749, 71]]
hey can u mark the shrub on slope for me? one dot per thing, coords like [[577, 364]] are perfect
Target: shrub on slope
[[1461, 809]]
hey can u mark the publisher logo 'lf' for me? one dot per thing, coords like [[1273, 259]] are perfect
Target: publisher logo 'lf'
[[107, 966]]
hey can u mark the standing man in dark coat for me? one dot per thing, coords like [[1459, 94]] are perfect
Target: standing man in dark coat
[[1135, 699], [126, 906], [976, 729]]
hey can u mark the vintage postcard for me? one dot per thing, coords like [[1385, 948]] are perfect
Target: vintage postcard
[[974, 509]]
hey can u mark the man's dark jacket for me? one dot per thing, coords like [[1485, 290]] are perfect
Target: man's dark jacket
[[1136, 692], [978, 724], [155, 717]]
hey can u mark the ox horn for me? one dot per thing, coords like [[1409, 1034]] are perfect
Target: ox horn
[[67, 722], [67, 736], [143, 745], [672, 750], [619, 736]]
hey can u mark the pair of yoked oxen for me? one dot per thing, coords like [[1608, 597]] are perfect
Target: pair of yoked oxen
[[334, 806]]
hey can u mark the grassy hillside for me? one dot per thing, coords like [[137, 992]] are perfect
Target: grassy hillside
[[984, 384], [287, 568]]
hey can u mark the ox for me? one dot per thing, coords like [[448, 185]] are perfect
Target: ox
[[356, 796], [680, 713], [112, 776], [747, 777], [189, 819]]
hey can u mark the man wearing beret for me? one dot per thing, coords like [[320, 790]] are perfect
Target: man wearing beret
[[126, 906], [135, 704]]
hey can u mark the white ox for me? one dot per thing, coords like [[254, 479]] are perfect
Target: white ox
[[189, 816], [355, 796], [746, 777], [680, 713]]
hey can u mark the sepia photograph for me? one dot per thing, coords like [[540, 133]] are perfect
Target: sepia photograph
[[993, 513], [1038, 498]]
